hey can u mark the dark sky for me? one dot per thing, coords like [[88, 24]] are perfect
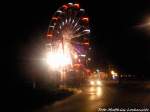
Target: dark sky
[[114, 35]]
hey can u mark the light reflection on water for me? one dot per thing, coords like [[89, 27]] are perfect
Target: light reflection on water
[[95, 92]]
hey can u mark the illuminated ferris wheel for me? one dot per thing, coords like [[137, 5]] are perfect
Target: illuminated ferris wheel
[[69, 30]]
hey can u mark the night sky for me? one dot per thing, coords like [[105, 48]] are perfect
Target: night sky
[[115, 37]]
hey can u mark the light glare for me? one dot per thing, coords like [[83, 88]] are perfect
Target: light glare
[[58, 59]]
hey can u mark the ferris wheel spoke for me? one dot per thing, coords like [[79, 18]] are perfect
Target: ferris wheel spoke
[[76, 30], [76, 23], [79, 35], [70, 25]]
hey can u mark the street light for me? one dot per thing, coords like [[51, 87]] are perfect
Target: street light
[[144, 25], [58, 58], [114, 74]]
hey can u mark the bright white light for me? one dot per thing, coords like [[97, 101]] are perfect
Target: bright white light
[[83, 55], [59, 11], [70, 3], [57, 59], [92, 82], [82, 10], [112, 72], [86, 31], [98, 82], [75, 56]]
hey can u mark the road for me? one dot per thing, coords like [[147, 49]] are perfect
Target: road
[[94, 99]]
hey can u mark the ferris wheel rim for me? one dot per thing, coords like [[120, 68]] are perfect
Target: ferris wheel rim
[[52, 24]]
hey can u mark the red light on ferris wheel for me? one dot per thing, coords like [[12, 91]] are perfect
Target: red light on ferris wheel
[[77, 6], [85, 18]]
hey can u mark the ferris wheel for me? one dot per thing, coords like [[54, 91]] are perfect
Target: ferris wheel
[[69, 28]]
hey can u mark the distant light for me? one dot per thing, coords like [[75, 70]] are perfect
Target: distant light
[[85, 18], [83, 55], [70, 3], [75, 56], [54, 18], [65, 6], [98, 82], [89, 59], [51, 26], [86, 31], [77, 5], [79, 60], [49, 35], [90, 48], [82, 10], [86, 43], [59, 11], [112, 72], [97, 70], [92, 83]]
